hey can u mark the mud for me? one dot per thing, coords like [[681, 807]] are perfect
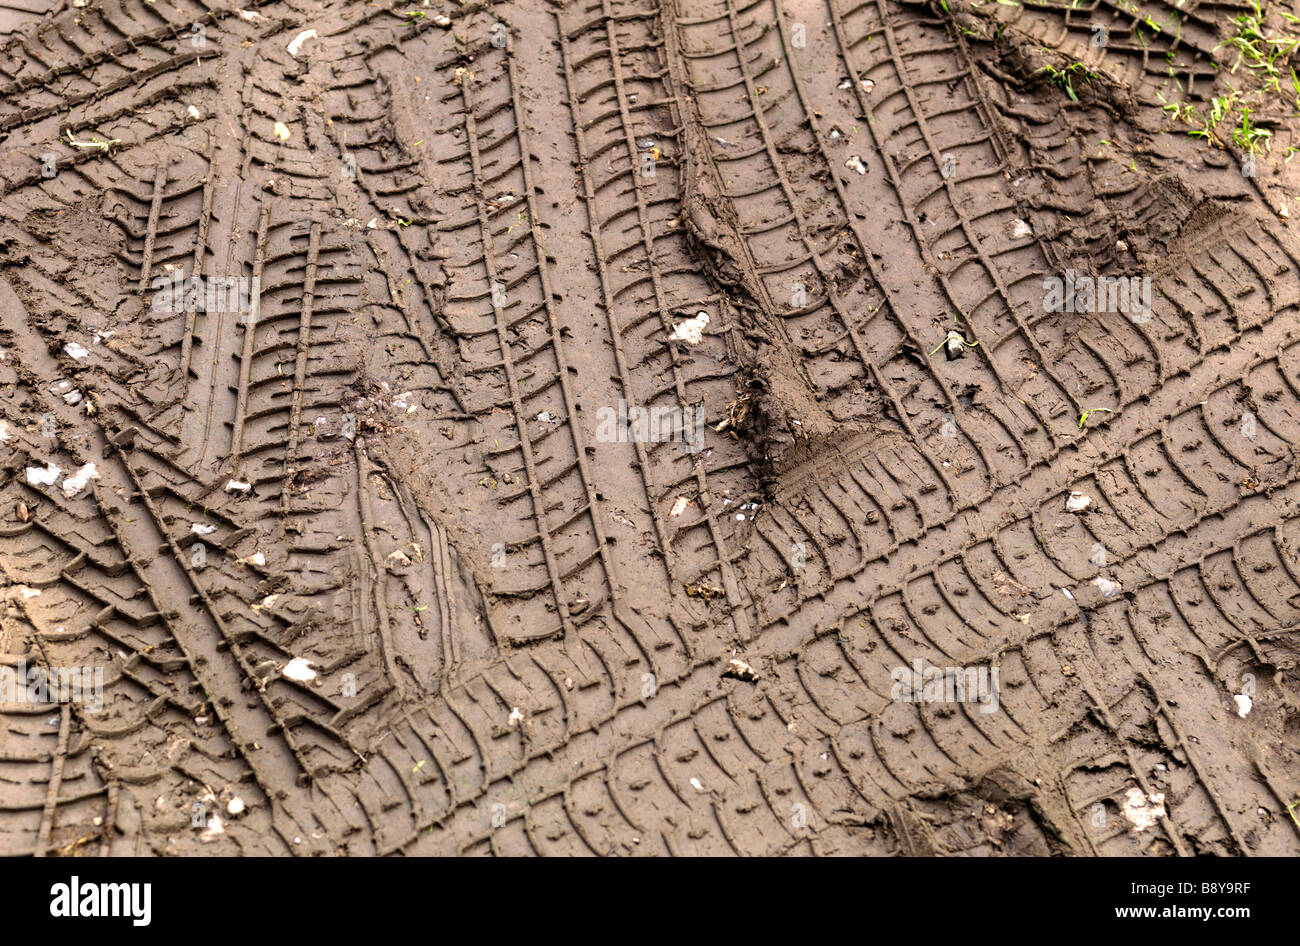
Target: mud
[[342, 330]]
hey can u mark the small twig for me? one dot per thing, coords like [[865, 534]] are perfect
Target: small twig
[[95, 142]]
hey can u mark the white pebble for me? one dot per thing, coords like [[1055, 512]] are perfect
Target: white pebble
[[1077, 502], [42, 477], [295, 44], [299, 669], [78, 481], [690, 331]]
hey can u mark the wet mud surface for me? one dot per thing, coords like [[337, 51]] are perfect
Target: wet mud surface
[[612, 427]]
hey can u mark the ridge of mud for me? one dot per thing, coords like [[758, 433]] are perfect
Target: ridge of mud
[[783, 420]]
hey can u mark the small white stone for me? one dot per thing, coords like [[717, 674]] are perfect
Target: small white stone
[[1077, 502], [76, 351], [1108, 588], [1143, 811], [42, 477], [235, 806], [854, 163], [214, 829], [299, 669], [741, 670], [691, 330], [1244, 703], [295, 44], [238, 486], [78, 481]]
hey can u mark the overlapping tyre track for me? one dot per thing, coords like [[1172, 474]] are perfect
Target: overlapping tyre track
[[459, 250]]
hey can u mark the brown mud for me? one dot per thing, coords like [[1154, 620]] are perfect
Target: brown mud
[[363, 569]]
